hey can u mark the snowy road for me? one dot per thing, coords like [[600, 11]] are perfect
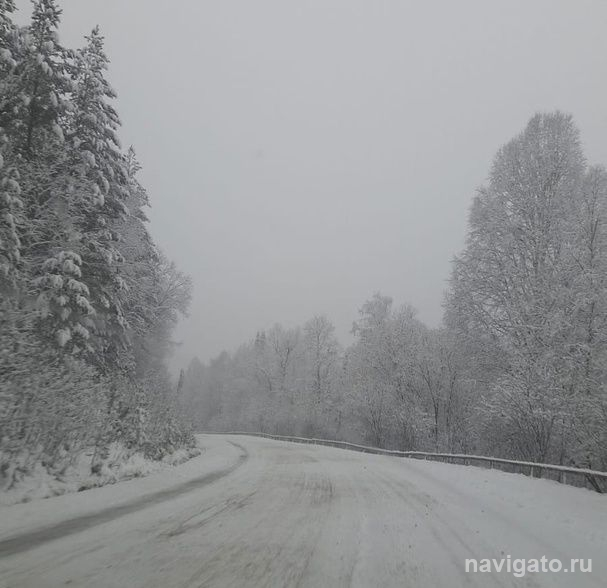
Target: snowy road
[[256, 512]]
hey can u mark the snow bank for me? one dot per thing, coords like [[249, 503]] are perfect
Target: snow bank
[[121, 464]]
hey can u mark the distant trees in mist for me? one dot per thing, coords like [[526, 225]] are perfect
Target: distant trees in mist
[[87, 301], [519, 366]]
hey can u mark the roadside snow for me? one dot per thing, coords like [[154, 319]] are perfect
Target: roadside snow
[[24, 517], [120, 465]]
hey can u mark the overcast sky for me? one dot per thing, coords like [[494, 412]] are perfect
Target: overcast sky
[[301, 155]]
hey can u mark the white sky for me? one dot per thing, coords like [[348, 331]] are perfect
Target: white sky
[[302, 155]]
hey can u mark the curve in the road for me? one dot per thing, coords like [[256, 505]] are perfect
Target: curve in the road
[[30, 540]]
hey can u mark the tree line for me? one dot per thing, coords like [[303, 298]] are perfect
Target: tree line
[[518, 367], [87, 300]]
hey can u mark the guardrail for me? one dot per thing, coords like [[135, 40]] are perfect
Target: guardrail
[[594, 479]]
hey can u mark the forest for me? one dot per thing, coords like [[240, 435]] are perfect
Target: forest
[[518, 367], [303, 294], [88, 303], [87, 300]]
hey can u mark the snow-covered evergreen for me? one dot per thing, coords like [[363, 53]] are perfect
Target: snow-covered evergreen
[[87, 302]]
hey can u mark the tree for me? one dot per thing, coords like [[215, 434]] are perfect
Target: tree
[[99, 183], [511, 287], [35, 99], [10, 202], [321, 350], [10, 209], [371, 368]]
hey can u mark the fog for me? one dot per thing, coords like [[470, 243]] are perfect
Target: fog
[[301, 156], [389, 365]]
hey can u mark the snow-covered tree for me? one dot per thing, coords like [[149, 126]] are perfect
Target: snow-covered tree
[[38, 86], [524, 282], [87, 302], [321, 354], [11, 207], [98, 187]]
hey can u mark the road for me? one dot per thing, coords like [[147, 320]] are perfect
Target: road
[[256, 512]]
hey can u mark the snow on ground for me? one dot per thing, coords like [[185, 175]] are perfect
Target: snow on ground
[[120, 465], [24, 517], [257, 512]]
